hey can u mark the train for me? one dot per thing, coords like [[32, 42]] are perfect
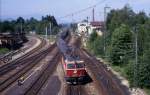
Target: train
[[12, 40], [73, 66], [74, 70]]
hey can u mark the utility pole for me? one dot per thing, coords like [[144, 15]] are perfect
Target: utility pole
[[50, 29], [136, 56], [46, 32], [87, 25], [72, 19], [105, 28], [21, 27]]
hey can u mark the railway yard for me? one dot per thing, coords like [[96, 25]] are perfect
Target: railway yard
[[74, 47], [40, 72]]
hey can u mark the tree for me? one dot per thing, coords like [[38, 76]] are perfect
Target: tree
[[140, 18], [20, 20], [33, 23], [93, 36], [117, 17], [142, 78], [144, 70], [95, 44], [6, 26], [144, 64], [121, 45]]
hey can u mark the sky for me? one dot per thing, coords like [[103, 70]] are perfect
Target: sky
[[11, 9]]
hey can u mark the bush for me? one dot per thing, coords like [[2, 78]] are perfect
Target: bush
[[3, 50], [95, 44], [142, 71], [121, 45]]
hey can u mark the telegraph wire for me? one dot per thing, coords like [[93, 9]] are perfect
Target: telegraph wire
[[82, 10]]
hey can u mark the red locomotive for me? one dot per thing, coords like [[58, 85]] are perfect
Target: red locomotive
[[74, 69], [73, 66]]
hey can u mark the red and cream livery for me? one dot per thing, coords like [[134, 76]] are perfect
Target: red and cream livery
[[75, 71]]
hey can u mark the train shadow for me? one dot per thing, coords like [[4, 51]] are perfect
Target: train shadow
[[87, 79]]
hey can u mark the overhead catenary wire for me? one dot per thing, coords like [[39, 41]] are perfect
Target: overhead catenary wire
[[82, 10]]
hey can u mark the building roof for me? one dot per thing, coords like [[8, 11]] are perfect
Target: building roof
[[97, 23]]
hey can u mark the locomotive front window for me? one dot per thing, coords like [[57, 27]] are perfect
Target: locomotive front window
[[71, 66], [80, 65]]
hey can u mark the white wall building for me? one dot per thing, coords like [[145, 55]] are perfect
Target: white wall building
[[82, 28], [85, 28]]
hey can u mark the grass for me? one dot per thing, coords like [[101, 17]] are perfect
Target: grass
[[147, 91], [52, 38], [120, 70], [3, 50]]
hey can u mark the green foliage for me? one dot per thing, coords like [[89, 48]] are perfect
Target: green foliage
[[40, 26], [30, 25], [3, 50], [130, 72], [147, 91], [121, 45], [6, 26], [95, 44], [144, 70], [119, 69], [143, 67], [117, 17], [140, 73], [93, 36]]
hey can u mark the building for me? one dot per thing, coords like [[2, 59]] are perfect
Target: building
[[87, 28], [82, 28], [96, 26]]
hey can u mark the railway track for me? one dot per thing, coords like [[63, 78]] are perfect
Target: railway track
[[19, 61], [45, 74], [75, 90], [104, 79], [9, 56], [27, 64], [38, 84]]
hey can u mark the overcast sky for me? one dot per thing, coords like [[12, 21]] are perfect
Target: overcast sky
[[11, 9]]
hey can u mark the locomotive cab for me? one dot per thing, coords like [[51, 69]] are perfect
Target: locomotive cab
[[74, 71]]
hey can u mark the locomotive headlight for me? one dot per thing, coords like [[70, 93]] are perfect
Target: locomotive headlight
[[75, 71]]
